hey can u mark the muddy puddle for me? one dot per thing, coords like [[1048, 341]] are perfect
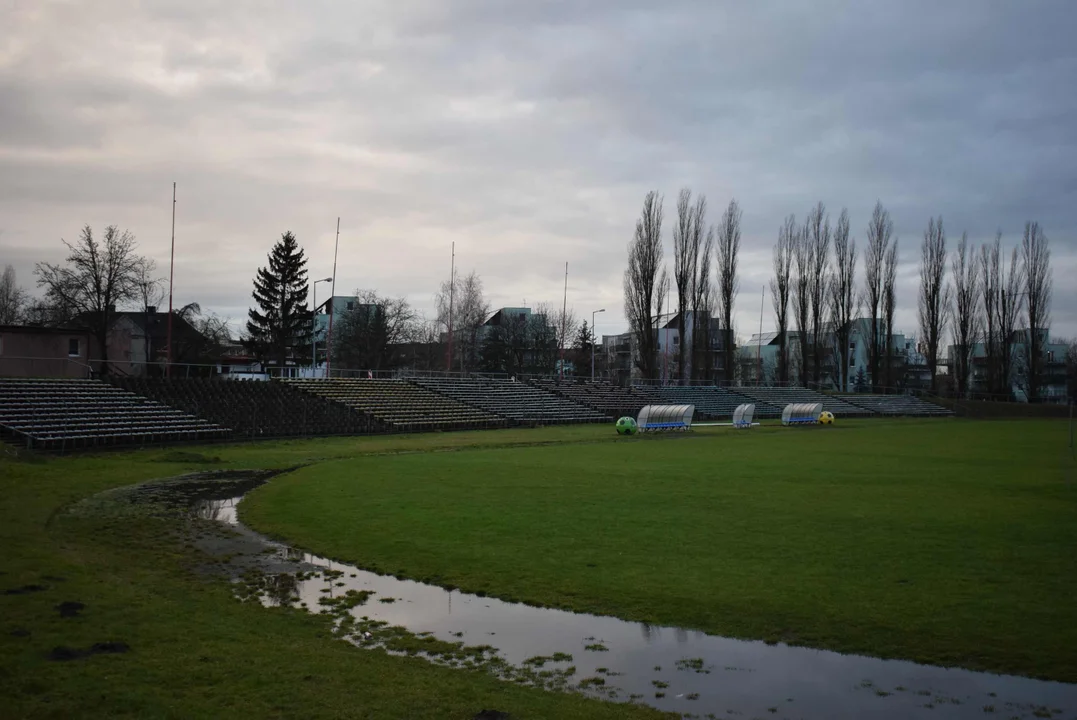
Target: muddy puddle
[[672, 669]]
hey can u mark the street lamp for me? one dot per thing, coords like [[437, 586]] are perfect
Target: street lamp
[[593, 342], [314, 329]]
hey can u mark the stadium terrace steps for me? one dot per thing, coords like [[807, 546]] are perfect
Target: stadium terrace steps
[[517, 401], [602, 396], [400, 405], [895, 405], [54, 414], [714, 403], [779, 397], [256, 408]]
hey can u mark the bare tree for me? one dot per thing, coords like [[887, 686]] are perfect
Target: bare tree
[[685, 263], [1036, 269], [843, 300], [934, 301], [728, 284], [889, 308], [817, 234], [966, 325], [371, 333], [12, 298], [880, 230], [97, 276], [470, 309], [1002, 301], [1071, 368], [1010, 304], [788, 239], [150, 289], [643, 292], [989, 293], [702, 296], [804, 262], [565, 324]]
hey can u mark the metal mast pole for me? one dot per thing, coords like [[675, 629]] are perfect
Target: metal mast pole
[[332, 294], [171, 269], [564, 325], [452, 290], [759, 340]]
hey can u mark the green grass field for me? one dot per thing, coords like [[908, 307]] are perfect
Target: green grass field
[[943, 541], [195, 650], [946, 542]]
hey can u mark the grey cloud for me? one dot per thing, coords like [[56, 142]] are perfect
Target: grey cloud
[[527, 132]]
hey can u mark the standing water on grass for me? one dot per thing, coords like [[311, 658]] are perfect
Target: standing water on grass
[[673, 669]]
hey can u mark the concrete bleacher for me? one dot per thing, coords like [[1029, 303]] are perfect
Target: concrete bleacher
[[516, 401], [779, 397], [255, 409], [400, 405], [896, 405], [68, 414], [602, 396], [713, 403]]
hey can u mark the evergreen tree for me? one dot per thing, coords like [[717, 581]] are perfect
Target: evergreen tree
[[280, 325], [582, 343]]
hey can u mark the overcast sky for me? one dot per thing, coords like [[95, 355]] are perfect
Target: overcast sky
[[528, 133]]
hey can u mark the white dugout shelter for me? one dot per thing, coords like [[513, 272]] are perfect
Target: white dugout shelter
[[802, 414], [665, 417]]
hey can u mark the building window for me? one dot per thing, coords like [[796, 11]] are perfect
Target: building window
[[852, 346], [852, 362], [351, 304], [1050, 356], [677, 340], [73, 347]]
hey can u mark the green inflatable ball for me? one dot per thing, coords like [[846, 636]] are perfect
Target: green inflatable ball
[[626, 426]]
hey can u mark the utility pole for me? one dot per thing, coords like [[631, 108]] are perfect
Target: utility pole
[[593, 336]]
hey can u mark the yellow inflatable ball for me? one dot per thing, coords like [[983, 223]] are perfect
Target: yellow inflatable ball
[[826, 418]]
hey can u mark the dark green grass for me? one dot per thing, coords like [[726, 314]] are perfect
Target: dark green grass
[[196, 651], [946, 542]]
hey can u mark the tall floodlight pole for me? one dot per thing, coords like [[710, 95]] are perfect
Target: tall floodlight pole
[[759, 337], [452, 289], [171, 269], [332, 294], [314, 328], [593, 313], [564, 324]]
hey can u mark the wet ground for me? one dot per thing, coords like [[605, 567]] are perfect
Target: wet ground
[[673, 669]]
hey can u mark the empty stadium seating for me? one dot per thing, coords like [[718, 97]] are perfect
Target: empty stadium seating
[[517, 401], [779, 397], [52, 414], [609, 399], [896, 405], [401, 405], [714, 403], [255, 409]]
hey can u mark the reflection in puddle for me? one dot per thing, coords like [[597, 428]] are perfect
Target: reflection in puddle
[[669, 668]]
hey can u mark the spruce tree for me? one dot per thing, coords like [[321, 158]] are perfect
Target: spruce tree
[[281, 323]]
